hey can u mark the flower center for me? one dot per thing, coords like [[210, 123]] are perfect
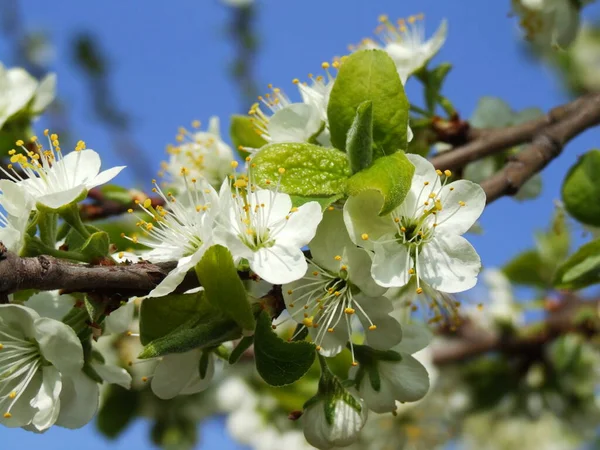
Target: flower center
[[20, 360]]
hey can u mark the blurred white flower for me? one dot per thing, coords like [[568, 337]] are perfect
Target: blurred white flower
[[17, 204]]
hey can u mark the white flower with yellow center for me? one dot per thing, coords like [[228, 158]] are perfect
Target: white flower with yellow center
[[261, 227], [422, 237], [55, 180], [17, 204], [338, 287], [183, 373], [41, 381], [202, 153], [406, 44], [180, 231]]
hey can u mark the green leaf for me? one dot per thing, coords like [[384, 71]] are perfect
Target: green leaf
[[525, 270], [369, 75], [119, 408], [243, 133], [298, 200], [195, 333], [434, 80], [359, 143], [244, 344], [492, 112], [116, 193], [581, 189], [279, 362], [96, 246], [581, 269], [94, 308], [310, 170], [160, 316], [391, 176], [222, 286]]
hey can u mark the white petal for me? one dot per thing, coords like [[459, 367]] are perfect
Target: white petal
[[330, 240], [12, 239], [297, 122], [19, 318], [381, 401], [408, 378], [174, 372], [15, 199], [22, 89], [214, 126], [389, 331], [279, 264], [176, 276], [55, 200], [81, 166], [391, 264], [359, 271], [415, 337], [44, 94], [361, 216], [347, 423], [46, 401], [197, 384], [233, 243], [104, 177], [120, 320], [59, 345], [433, 45], [277, 205], [332, 343], [449, 263], [51, 305], [22, 411], [113, 374], [301, 226], [78, 401], [456, 219]]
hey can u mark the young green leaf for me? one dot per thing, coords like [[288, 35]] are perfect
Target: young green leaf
[[223, 287], [524, 269], [391, 176], [310, 170], [582, 269], [244, 344], [243, 133], [96, 246], [369, 75], [279, 362], [359, 143], [581, 189]]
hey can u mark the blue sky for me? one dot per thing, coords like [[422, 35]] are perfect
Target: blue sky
[[169, 66]]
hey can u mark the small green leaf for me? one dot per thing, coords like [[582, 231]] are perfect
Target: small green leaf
[[525, 270], [369, 75], [581, 189], [116, 193], [390, 175], [244, 344], [492, 112], [96, 246], [193, 334], [359, 143], [582, 269], [434, 80], [279, 362], [223, 287], [243, 133], [310, 170], [160, 316], [119, 408], [94, 308], [298, 200]]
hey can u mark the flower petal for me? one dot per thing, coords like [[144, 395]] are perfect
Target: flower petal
[[277, 205], [56, 199], [359, 271], [391, 264], [22, 89], [408, 378], [20, 319], [361, 215], [79, 401], [197, 384], [51, 305], [15, 199], [449, 263], [279, 264], [457, 219], [297, 122], [388, 332], [120, 320], [174, 372], [415, 337], [81, 166], [113, 374], [301, 225], [44, 94], [104, 177], [330, 240], [46, 401], [332, 343], [176, 276], [59, 345]]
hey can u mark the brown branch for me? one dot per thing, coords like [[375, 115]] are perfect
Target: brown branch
[[102, 208], [491, 141]]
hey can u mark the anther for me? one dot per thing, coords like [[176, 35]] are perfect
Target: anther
[[364, 236]]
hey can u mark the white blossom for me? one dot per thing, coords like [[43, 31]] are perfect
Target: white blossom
[[422, 237], [203, 154], [55, 180], [406, 43], [548, 22], [17, 204], [41, 381], [180, 374], [334, 421], [261, 227], [337, 287], [180, 231]]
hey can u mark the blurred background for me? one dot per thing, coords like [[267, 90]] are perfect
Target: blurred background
[[131, 73]]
